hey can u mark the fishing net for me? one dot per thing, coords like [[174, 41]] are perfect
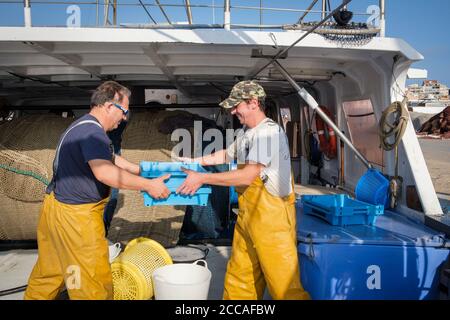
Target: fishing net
[[18, 219], [142, 141], [353, 34], [3, 235], [22, 177], [26, 155], [27, 150]]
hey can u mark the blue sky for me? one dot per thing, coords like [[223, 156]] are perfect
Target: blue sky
[[423, 24]]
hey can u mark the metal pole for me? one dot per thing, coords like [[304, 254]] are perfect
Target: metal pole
[[315, 106], [96, 13], [342, 165], [307, 11], [214, 12], [382, 21], [27, 13], [173, 26], [106, 12], [188, 11], [163, 12], [260, 13], [115, 12], [324, 9], [227, 15], [148, 13]]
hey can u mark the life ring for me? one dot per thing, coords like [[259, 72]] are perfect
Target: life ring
[[327, 142]]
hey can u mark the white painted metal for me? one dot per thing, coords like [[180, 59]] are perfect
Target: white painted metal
[[424, 184], [105, 12], [112, 59], [125, 37], [382, 19], [152, 52], [132, 69], [54, 70], [414, 73], [412, 152], [227, 15], [429, 110], [324, 9], [27, 13]]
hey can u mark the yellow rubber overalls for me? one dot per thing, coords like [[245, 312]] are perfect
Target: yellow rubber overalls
[[72, 248], [73, 251], [264, 248]]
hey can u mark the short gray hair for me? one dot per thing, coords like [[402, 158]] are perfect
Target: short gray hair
[[107, 92]]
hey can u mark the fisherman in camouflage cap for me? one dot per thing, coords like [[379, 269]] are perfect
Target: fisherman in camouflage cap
[[264, 183], [242, 91]]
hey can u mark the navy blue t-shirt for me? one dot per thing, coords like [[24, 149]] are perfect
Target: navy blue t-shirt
[[75, 182]]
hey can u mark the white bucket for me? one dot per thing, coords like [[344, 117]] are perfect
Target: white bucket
[[114, 251], [182, 281]]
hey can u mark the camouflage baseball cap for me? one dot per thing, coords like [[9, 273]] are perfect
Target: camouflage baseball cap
[[241, 91]]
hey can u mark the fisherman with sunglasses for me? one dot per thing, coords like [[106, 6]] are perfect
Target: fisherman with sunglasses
[[72, 248]]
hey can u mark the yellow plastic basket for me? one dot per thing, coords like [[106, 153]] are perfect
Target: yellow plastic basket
[[132, 269]]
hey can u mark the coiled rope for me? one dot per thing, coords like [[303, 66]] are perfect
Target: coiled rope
[[397, 128]]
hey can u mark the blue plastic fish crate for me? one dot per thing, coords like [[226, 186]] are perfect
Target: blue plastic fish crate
[[341, 210], [177, 176]]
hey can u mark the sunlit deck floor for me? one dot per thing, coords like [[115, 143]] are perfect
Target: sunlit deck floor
[[16, 266]]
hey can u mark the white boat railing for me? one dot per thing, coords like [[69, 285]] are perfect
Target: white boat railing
[[159, 16]]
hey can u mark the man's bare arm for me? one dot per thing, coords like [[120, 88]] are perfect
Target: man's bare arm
[[108, 173], [126, 165], [239, 177], [219, 157]]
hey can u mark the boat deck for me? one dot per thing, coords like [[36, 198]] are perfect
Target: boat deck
[[16, 265]]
